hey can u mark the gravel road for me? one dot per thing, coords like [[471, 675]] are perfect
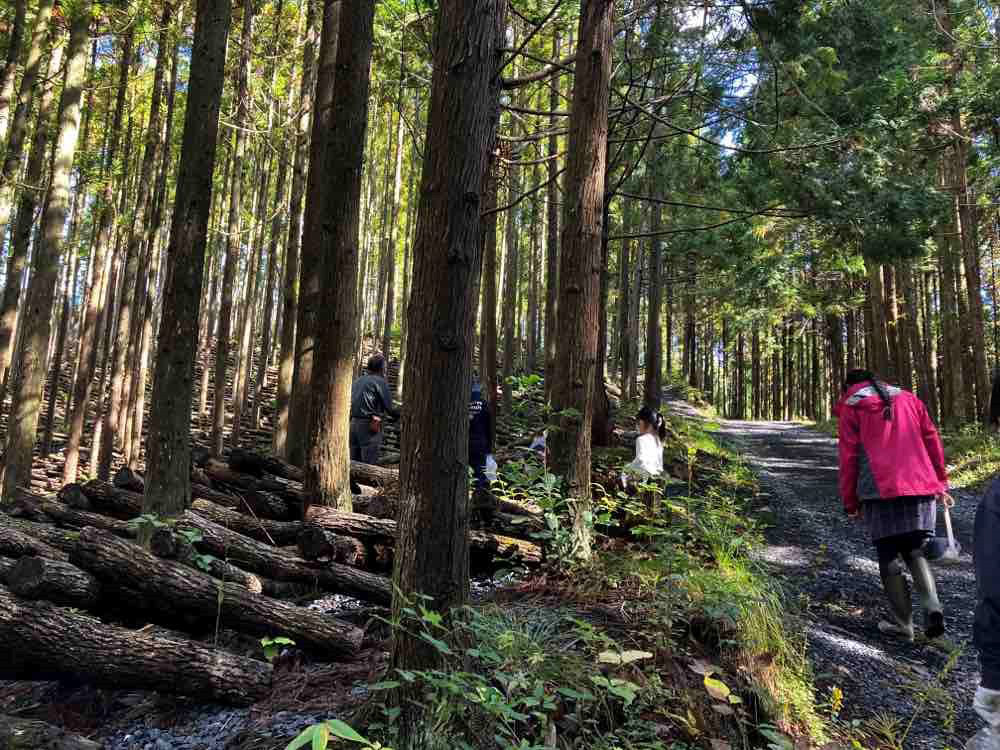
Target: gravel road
[[827, 565]]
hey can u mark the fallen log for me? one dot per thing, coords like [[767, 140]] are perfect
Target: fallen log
[[74, 497], [31, 734], [200, 489], [356, 524], [54, 581], [46, 642], [46, 533], [254, 463], [314, 543], [107, 498], [175, 586], [262, 529], [15, 543], [6, 564], [265, 560], [126, 479]]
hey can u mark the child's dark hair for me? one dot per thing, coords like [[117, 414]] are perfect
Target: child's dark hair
[[861, 376], [651, 416]]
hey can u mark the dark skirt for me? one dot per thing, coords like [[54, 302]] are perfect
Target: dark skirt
[[900, 515]]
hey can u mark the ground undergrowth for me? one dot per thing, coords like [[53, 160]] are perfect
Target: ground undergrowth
[[670, 637]]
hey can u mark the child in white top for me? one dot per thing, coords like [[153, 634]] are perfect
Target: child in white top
[[648, 446]]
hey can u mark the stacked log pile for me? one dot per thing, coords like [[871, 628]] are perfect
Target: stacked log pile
[[73, 575]]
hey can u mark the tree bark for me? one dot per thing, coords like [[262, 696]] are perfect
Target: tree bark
[[653, 389], [552, 230], [24, 218], [579, 281], [876, 309], [510, 286], [488, 324], [335, 240], [168, 447], [100, 261], [432, 553], [233, 228], [311, 258], [11, 166], [22, 426], [290, 298], [47, 642], [53, 581], [7, 72]]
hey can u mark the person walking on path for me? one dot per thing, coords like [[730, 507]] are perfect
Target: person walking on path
[[371, 402], [986, 628], [480, 435], [892, 471]]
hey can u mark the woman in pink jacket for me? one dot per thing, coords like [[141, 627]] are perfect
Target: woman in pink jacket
[[892, 471]]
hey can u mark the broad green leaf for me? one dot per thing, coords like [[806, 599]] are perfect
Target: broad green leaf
[[717, 688], [345, 732]]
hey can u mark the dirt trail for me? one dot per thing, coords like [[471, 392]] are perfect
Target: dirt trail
[[828, 567]]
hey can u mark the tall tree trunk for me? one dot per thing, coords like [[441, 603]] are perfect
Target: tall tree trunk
[[894, 372], [328, 470], [510, 287], [23, 423], [653, 387], [290, 286], [432, 554], [552, 229], [233, 236], [777, 411], [24, 220], [579, 281], [951, 404], [113, 417], [488, 240], [310, 262], [168, 447], [876, 309], [7, 72], [11, 167], [397, 188], [601, 423]]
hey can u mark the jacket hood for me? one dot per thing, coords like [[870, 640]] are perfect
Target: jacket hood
[[864, 396]]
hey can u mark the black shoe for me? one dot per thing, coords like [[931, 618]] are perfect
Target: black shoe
[[935, 625]]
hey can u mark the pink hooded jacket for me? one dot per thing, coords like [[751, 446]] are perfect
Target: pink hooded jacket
[[885, 459]]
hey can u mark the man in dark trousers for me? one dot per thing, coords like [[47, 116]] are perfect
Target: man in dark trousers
[[986, 628], [371, 402], [480, 435]]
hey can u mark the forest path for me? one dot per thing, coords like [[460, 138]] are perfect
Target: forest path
[[827, 566]]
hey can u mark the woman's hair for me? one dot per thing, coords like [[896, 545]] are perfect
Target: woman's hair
[[861, 376], [376, 364], [652, 417]]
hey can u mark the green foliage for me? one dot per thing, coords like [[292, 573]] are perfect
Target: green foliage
[[273, 646]]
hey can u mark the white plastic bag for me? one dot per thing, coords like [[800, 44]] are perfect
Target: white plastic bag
[[491, 468]]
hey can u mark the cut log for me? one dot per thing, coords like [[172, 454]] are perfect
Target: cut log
[[257, 464], [46, 533], [352, 524], [54, 581], [46, 642], [265, 560], [202, 489], [74, 496], [175, 586], [126, 479], [77, 519], [262, 529], [356, 524], [384, 478], [30, 734], [16, 544], [107, 498], [315, 542]]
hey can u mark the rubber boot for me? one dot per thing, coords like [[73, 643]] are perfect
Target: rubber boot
[[923, 579], [898, 593]]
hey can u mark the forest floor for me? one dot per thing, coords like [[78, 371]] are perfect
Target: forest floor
[[918, 695]]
